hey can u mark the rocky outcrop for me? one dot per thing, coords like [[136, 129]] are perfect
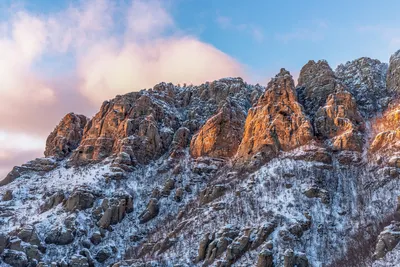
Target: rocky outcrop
[[66, 136], [393, 74], [265, 258], [80, 199], [115, 210], [131, 125], [28, 234], [387, 240], [316, 82], [38, 166], [365, 79], [211, 193], [52, 201], [139, 127], [385, 144], [276, 123], [221, 135], [150, 212], [340, 122], [15, 258], [7, 196]]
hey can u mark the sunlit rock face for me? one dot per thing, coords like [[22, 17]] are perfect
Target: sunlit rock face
[[385, 144], [220, 136], [277, 122], [66, 137], [139, 127], [340, 122]]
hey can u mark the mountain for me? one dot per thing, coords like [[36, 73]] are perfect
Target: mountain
[[221, 174]]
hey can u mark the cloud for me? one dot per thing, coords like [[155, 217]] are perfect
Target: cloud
[[132, 67], [226, 23], [105, 48]]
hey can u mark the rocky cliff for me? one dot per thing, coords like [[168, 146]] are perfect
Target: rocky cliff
[[220, 174]]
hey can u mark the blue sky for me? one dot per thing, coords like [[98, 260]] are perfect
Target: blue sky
[[267, 35], [70, 55]]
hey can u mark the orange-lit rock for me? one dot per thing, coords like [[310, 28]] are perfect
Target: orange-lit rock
[[66, 136], [387, 129], [340, 121], [221, 134], [277, 122], [128, 126]]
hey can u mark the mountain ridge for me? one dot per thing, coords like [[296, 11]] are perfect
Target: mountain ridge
[[220, 174]]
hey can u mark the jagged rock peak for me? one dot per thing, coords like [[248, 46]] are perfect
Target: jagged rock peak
[[66, 136], [276, 123], [316, 82], [365, 79], [138, 127], [393, 74]]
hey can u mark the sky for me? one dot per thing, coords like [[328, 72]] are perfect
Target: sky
[[70, 55]]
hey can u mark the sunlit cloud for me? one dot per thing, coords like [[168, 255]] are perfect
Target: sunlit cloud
[[115, 47]]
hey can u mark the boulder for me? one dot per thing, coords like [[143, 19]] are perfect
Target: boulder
[[211, 193], [202, 250], [150, 212], [15, 258], [52, 201], [8, 195], [96, 238], [316, 192], [265, 258], [103, 254], [4, 239], [387, 240], [78, 261], [60, 236], [33, 253], [179, 194], [28, 234], [115, 210], [168, 186], [66, 136], [80, 199], [238, 247]]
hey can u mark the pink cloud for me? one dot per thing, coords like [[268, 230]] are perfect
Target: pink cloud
[[107, 62]]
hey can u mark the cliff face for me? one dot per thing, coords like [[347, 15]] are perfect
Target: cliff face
[[276, 123], [220, 174]]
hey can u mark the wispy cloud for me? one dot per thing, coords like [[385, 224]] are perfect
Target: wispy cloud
[[314, 32], [226, 23]]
